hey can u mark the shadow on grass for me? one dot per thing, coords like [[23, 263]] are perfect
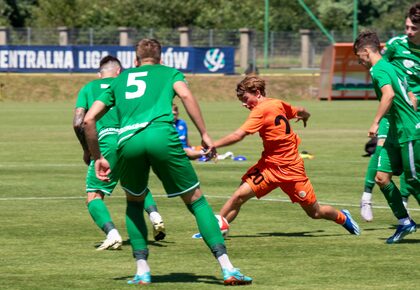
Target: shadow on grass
[[295, 234], [180, 278], [160, 244]]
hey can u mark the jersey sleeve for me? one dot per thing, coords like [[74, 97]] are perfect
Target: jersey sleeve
[[254, 122], [382, 78], [82, 99], [179, 76], [291, 111], [388, 51], [107, 97]]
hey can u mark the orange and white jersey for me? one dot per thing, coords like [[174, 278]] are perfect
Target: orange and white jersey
[[270, 119]]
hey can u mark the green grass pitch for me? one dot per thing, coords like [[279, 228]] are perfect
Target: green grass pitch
[[48, 239]]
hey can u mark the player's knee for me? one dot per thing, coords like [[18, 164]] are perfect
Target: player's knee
[[381, 180], [94, 195]]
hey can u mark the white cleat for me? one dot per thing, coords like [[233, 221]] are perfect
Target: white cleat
[[158, 226], [366, 210], [110, 244]]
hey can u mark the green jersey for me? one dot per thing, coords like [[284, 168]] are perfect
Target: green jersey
[[405, 57], [403, 120], [142, 95], [108, 124]]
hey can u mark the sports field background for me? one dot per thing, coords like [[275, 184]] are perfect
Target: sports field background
[[48, 238]]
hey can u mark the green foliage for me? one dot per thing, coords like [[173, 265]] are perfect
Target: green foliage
[[284, 15]]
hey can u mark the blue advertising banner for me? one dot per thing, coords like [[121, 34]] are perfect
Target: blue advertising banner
[[86, 58]]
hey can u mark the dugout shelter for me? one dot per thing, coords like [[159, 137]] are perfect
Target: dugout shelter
[[341, 75]]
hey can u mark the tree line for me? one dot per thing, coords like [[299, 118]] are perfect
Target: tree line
[[284, 15]]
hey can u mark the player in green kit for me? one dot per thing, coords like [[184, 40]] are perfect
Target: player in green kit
[[143, 98], [107, 128], [401, 150], [403, 52]]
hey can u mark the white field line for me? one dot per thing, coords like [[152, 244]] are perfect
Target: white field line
[[208, 196]]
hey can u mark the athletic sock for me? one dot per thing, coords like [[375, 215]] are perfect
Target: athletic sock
[[149, 203], [341, 218], [404, 221], [142, 267], [136, 226], [393, 196], [206, 222], [367, 196], [224, 262], [100, 215], [371, 170]]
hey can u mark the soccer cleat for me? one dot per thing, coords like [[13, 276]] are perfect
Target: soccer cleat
[[234, 277], [401, 232], [141, 279], [366, 210], [111, 244], [350, 224], [158, 228]]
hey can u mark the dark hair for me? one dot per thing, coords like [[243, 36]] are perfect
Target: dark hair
[[109, 59], [414, 13], [148, 49], [367, 38], [250, 84]]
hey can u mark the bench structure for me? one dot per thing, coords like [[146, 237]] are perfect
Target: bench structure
[[342, 77]]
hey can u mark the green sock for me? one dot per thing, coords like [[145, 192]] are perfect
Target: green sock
[[136, 226], [207, 222], [149, 203], [100, 215], [371, 170], [393, 197]]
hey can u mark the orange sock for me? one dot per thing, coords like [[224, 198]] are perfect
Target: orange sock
[[341, 218]]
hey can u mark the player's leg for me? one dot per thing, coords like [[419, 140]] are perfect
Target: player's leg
[[232, 207], [134, 179], [366, 200], [102, 218], [169, 162], [96, 189], [155, 218], [303, 193], [406, 189], [137, 232], [390, 161], [212, 236]]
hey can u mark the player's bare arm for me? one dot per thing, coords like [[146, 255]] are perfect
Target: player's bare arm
[[102, 167], [384, 106], [193, 110], [79, 115], [303, 115], [230, 139]]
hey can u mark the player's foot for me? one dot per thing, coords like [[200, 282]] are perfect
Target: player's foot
[[197, 236], [114, 243], [350, 224], [366, 210], [141, 279], [158, 226], [401, 232], [234, 277]]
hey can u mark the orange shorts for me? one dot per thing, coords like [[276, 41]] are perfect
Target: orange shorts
[[264, 177]]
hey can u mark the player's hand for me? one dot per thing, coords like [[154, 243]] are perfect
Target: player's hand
[[373, 131], [102, 169], [208, 147], [303, 115], [86, 157]]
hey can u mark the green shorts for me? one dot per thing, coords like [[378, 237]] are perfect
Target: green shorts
[[157, 147], [397, 159], [108, 147]]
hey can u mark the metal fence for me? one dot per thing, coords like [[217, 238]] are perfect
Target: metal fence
[[284, 48]]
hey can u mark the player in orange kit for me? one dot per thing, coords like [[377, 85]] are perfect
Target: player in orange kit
[[280, 164]]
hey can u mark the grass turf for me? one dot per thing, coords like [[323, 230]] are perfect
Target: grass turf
[[48, 238]]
